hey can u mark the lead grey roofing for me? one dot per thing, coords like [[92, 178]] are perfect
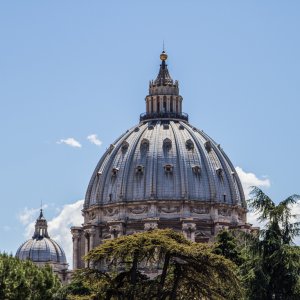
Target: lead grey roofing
[[115, 178], [41, 250]]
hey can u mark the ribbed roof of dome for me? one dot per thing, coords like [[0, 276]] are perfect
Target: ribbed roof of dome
[[164, 159], [42, 250]]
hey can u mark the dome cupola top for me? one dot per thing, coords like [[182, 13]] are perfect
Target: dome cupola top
[[163, 101], [41, 227], [163, 78]]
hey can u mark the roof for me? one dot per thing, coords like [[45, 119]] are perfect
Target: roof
[[135, 167], [41, 250]]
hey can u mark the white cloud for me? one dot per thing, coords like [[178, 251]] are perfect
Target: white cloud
[[250, 179], [58, 227], [70, 142], [29, 214], [94, 139]]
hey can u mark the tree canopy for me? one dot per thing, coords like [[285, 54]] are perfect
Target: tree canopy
[[158, 264], [24, 280], [162, 264], [272, 268]]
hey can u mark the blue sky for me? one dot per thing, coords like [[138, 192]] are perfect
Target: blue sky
[[69, 69]]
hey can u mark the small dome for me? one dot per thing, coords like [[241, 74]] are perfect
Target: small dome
[[41, 248], [42, 251]]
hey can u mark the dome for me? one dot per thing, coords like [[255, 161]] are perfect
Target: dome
[[41, 248], [161, 173], [164, 159]]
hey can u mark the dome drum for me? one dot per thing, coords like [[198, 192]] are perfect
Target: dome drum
[[163, 209]]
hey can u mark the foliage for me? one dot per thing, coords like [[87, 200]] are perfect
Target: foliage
[[24, 280], [273, 264], [158, 264], [74, 288], [162, 264], [228, 246]]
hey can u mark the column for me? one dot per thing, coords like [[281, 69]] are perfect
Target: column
[[75, 238], [161, 104], [180, 106], [86, 246], [147, 105], [154, 104], [92, 243]]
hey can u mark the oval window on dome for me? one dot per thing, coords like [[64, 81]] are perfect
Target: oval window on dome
[[114, 171], [139, 169], [196, 169], [145, 144], [207, 146], [189, 145], [125, 146], [168, 168], [219, 172], [167, 144]]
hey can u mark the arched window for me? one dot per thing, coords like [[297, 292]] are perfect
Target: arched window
[[189, 144], [157, 106], [144, 145], [167, 144], [171, 105], [165, 104], [176, 104], [151, 104]]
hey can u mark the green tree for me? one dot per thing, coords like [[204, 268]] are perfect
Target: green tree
[[24, 280], [273, 266], [158, 264], [229, 246]]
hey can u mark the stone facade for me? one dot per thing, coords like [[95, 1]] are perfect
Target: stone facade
[[198, 222]]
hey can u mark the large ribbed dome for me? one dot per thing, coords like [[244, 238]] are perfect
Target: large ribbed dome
[[164, 159], [41, 248], [162, 173]]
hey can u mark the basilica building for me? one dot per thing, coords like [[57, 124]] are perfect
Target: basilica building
[[162, 173]]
